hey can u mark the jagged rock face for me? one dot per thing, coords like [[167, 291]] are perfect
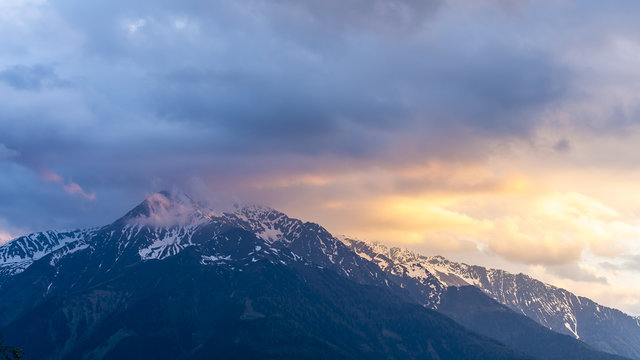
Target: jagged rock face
[[603, 328], [404, 269]]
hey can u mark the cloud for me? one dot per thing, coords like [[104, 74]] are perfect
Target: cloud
[[379, 15], [353, 100], [50, 176], [521, 245], [563, 145], [578, 273], [35, 77], [633, 263], [166, 210], [73, 188], [68, 186], [625, 263]]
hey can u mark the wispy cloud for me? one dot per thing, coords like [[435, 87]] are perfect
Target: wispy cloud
[[73, 188], [164, 210], [68, 186]]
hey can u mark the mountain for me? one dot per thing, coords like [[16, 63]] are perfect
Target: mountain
[[170, 281], [476, 311], [20, 253], [603, 328]]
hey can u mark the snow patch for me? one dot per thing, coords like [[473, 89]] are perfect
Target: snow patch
[[270, 234], [168, 242], [206, 259], [572, 330]]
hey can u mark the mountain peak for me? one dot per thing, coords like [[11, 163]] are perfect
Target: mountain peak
[[256, 210], [164, 209], [174, 208]]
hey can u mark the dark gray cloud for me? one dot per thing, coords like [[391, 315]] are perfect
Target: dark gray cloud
[[139, 93]]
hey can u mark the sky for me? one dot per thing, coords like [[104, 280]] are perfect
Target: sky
[[494, 132]]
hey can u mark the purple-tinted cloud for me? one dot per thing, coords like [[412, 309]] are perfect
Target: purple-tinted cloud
[[68, 186]]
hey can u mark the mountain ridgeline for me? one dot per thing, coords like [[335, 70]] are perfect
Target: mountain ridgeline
[[429, 277], [172, 280]]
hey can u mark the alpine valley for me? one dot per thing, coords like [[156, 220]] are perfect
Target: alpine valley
[[174, 280]]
